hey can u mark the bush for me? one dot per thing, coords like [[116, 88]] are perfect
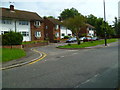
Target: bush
[[12, 38], [66, 37]]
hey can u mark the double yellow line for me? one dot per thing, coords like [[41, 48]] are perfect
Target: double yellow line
[[43, 56], [26, 63]]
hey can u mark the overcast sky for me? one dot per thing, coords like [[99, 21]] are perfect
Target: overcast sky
[[55, 7]]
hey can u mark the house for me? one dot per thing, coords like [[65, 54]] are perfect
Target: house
[[119, 10], [29, 24], [52, 29], [65, 32], [88, 31]]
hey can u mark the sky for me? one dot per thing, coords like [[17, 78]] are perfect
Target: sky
[[55, 7]]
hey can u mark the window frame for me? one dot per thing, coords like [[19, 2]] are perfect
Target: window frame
[[6, 21], [23, 23]]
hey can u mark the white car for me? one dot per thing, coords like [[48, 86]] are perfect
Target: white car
[[82, 38]]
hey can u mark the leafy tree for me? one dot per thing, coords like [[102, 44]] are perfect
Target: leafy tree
[[91, 19], [12, 38], [100, 26], [117, 26], [75, 24], [68, 13], [51, 17]]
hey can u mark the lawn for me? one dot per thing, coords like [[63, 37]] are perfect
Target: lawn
[[11, 54], [88, 44]]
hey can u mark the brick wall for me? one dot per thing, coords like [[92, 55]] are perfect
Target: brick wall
[[34, 44], [13, 46], [26, 45], [34, 29]]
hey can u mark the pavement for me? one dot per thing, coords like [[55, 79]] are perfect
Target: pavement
[[34, 55]]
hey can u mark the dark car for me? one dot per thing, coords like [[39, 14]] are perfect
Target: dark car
[[86, 39], [70, 40]]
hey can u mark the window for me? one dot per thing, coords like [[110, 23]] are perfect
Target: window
[[69, 34], [57, 34], [4, 32], [25, 33], [63, 34], [6, 22], [37, 23], [57, 27], [23, 22], [46, 27], [37, 34]]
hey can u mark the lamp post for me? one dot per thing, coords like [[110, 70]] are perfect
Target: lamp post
[[105, 23]]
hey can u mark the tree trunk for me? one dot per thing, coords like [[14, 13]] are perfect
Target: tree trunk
[[78, 40]]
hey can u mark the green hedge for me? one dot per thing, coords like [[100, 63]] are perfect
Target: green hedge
[[12, 38]]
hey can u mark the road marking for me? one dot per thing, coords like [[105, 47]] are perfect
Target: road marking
[[29, 62], [74, 53], [44, 55]]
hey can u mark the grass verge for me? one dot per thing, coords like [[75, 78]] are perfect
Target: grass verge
[[88, 44], [30, 42], [11, 54]]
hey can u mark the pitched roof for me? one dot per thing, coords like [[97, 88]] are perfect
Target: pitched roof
[[54, 21], [88, 25], [19, 14]]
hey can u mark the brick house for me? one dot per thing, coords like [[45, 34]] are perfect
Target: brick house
[[29, 24], [52, 29], [88, 31]]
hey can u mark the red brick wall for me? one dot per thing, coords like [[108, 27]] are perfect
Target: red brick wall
[[34, 29], [13, 46], [27, 45], [35, 44], [50, 31]]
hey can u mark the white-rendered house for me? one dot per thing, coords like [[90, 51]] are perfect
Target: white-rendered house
[[119, 10], [20, 21], [17, 26], [65, 32]]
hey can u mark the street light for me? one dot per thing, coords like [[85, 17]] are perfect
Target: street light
[[105, 23]]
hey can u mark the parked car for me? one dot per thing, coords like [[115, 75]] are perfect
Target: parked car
[[86, 39], [71, 40], [95, 38], [82, 38]]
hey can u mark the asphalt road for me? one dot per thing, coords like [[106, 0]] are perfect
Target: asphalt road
[[81, 68]]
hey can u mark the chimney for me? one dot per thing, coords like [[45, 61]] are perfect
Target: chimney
[[11, 7]]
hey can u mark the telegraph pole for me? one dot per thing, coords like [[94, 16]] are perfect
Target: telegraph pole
[[105, 24]]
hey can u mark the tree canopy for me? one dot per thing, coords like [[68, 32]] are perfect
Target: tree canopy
[[75, 24], [100, 26], [68, 13]]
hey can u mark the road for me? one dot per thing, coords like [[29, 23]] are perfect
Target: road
[[67, 69]]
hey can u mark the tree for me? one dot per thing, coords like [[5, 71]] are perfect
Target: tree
[[117, 26], [68, 13], [75, 24], [100, 26], [51, 17]]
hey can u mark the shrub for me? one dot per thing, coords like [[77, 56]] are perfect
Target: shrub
[[66, 37], [12, 38]]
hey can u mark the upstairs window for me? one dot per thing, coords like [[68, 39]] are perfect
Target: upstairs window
[[23, 22], [6, 22], [57, 27], [37, 23]]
